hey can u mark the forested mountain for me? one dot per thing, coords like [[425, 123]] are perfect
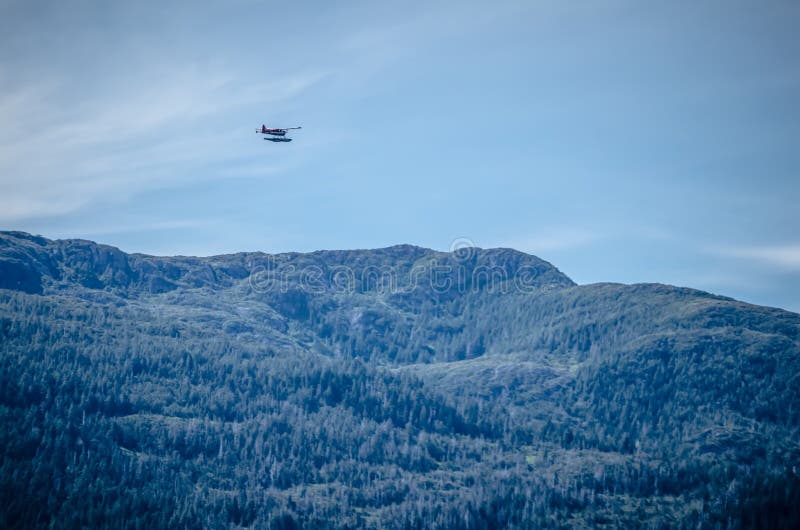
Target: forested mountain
[[391, 388]]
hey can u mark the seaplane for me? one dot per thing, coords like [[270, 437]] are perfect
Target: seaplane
[[276, 134]]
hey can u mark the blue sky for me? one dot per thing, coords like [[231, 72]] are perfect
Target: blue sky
[[622, 141]]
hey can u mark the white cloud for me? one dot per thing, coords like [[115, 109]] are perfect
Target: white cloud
[[554, 239], [57, 154], [780, 256], [140, 225]]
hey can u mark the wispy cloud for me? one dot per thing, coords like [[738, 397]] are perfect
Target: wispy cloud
[[58, 154], [138, 225], [786, 257], [555, 239]]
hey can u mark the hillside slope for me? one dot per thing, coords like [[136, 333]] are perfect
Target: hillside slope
[[391, 388]]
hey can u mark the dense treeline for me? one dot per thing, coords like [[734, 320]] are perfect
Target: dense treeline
[[119, 431], [140, 392]]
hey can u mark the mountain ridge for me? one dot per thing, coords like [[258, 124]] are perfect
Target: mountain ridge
[[100, 266], [397, 387], [251, 256]]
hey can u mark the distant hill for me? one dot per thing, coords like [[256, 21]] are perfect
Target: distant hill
[[390, 388]]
